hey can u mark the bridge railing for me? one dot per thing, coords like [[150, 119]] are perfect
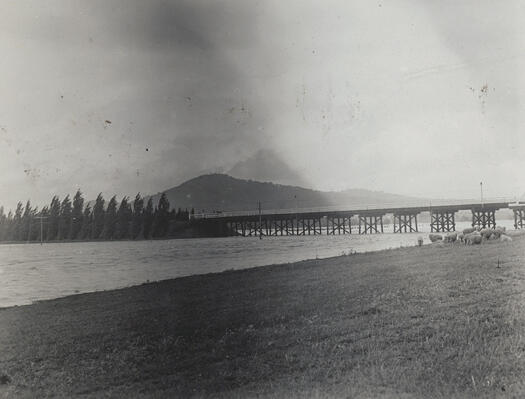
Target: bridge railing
[[353, 207]]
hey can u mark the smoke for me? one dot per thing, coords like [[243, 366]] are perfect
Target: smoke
[[214, 114], [130, 95]]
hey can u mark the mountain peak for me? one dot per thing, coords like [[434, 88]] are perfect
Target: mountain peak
[[267, 166]]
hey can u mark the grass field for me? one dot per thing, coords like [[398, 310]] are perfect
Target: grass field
[[413, 322]]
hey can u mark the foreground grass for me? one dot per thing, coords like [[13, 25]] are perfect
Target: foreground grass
[[413, 322]]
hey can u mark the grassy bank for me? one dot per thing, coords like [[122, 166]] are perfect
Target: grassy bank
[[413, 322]]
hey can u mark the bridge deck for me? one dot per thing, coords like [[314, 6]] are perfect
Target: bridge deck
[[330, 212]]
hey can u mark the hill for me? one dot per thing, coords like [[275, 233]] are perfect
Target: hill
[[223, 192], [267, 166]]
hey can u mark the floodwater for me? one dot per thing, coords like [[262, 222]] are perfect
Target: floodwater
[[31, 272]]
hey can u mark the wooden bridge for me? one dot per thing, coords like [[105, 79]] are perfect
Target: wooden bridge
[[333, 221]]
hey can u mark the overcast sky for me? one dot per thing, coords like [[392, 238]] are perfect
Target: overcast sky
[[422, 98]]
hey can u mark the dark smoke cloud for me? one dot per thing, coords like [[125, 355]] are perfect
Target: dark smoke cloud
[[170, 76], [217, 116]]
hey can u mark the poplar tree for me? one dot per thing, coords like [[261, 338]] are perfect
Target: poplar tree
[[9, 226], [86, 232], [53, 219], [77, 215], [110, 219], [162, 219], [33, 232], [44, 213], [3, 224], [64, 226], [25, 223], [138, 215], [98, 217], [124, 217], [148, 218], [17, 222]]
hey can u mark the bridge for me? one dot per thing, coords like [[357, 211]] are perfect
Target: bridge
[[338, 220]]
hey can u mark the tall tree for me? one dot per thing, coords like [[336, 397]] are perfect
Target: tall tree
[[9, 231], [3, 224], [124, 216], [98, 217], [77, 215], [86, 232], [42, 222], [138, 214], [110, 219], [162, 219], [25, 223], [182, 215], [53, 219], [148, 219], [17, 222], [64, 226], [33, 231]]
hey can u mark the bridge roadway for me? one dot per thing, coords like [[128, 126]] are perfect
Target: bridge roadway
[[338, 220]]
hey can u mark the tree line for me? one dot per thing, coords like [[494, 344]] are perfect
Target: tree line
[[72, 219]]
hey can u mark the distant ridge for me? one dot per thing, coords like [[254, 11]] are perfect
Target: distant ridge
[[220, 192]]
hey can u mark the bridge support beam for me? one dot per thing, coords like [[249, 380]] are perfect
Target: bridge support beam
[[251, 228], [369, 224], [442, 221], [405, 222], [278, 227], [267, 229], [338, 225], [519, 218], [263, 228], [484, 218], [288, 227], [242, 228], [309, 226], [232, 229]]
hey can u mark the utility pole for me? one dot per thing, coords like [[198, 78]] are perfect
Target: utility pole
[[481, 189], [260, 221], [41, 227], [296, 214]]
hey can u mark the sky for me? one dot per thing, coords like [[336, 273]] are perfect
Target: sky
[[421, 98]]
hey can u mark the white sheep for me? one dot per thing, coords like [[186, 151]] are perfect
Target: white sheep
[[505, 238], [435, 237], [473, 238]]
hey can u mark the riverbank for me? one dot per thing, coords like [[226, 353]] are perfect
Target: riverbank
[[435, 321]]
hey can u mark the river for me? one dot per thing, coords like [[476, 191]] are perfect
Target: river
[[31, 272]]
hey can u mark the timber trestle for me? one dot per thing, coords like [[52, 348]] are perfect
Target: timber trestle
[[519, 218], [405, 222], [442, 221], [370, 223], [365, 221], [338, 225], [484, 217]]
